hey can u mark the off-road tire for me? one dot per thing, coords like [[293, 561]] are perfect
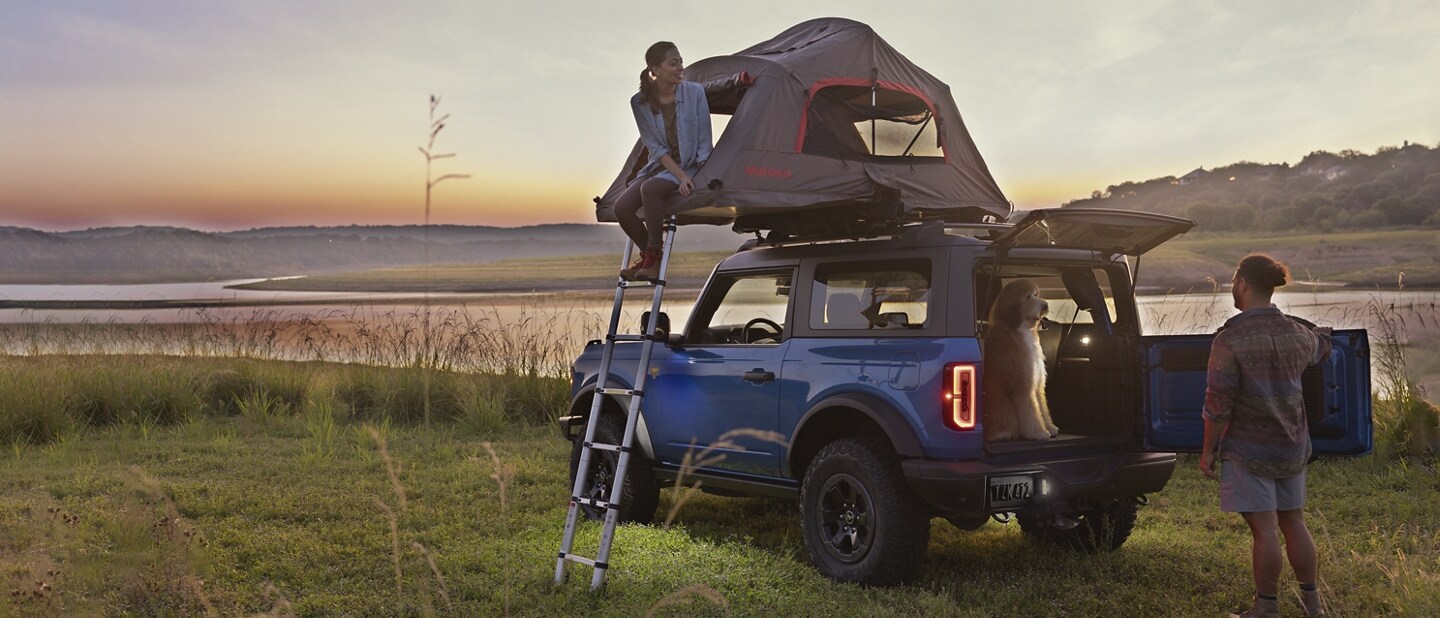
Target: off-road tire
[[862, 523], [1103, 528], [641, 495]]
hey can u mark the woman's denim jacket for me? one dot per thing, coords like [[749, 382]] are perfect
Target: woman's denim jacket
[[692, 117]]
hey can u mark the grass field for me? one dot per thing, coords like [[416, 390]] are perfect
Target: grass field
[[1360, 259], [274, 502], [244, 516]]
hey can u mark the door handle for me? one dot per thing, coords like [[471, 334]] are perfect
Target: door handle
[[758, 375]]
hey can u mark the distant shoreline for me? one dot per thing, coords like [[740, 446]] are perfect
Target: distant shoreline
[[1195, 263], [511, 297], [506, 296]]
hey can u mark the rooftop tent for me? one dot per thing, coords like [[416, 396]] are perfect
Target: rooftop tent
[[830, 126]]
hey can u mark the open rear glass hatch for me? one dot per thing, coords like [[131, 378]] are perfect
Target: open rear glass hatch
[[1114, 232]]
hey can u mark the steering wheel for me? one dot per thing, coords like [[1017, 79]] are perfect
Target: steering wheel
[[745, 331]]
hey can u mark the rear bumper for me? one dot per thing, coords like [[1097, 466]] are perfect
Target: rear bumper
[[959, 487]]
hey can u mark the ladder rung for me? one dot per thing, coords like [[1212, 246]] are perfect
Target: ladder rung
[[583, 560], [620, 391], [627, 337], [642, 283], [613, 448], [592, 502]]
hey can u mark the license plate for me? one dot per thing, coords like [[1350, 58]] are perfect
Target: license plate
[[1010, 491]]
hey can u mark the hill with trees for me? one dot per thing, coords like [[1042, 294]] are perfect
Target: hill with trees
[[1325, 191]]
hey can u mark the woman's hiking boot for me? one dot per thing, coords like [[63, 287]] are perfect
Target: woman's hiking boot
[[647, 266], [628, 273], [650, 269]]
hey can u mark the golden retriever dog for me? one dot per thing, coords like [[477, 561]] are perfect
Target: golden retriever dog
[[1014, 405]]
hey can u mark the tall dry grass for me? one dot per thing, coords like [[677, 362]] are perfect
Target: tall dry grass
[[537, 340], [44, 399], [1406, 425]]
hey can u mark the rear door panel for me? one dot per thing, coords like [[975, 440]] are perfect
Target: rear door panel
[[1337, 395]]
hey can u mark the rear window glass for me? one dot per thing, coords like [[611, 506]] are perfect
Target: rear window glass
[[893, 294], [852, 122], [1095, 303]]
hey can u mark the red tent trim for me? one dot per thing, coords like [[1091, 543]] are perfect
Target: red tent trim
[[860, 81]]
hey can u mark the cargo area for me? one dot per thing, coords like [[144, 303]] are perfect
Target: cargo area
[[1090, 387]]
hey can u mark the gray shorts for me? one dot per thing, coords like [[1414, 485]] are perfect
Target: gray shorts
[[1242, 492]]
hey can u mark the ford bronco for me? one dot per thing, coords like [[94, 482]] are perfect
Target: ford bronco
[[864, 358]]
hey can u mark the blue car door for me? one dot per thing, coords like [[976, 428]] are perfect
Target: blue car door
[[714, 398], [1337, 394]]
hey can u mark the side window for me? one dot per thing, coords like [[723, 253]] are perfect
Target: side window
[[751, 310], [871, 295]]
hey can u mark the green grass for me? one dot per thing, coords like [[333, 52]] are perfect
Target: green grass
[[242, 516], [46, 399]]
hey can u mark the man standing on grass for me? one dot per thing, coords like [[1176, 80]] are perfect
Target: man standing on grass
[[1255, 415]]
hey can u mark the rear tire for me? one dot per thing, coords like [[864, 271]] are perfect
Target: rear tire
[[1105, 528], [862, 523], [641, 494]]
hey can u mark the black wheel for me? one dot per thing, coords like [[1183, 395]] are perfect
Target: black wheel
[[641, 495], [862, 523], [1100, 529]]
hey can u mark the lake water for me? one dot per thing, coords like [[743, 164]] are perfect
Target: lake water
[[1160, 314], [219, 298], [534, 332], [488, 328]]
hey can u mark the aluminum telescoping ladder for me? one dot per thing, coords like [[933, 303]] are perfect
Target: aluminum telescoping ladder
[[610, 505]]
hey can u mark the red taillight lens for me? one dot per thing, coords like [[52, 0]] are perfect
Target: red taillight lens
[[960, 398]]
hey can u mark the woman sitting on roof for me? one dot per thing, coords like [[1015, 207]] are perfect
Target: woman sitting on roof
[[674, 121]]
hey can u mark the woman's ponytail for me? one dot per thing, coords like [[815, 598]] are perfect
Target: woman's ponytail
[[653, 58], [647, 90]]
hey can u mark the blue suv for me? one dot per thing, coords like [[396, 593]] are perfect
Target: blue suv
[[846, 374]]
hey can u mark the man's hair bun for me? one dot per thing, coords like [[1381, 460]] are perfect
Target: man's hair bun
[[1263, 271]]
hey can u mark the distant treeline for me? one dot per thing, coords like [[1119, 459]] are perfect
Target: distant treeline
[[1325, 191], [164, 253]]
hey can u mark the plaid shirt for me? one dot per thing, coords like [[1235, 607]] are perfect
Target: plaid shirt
[[1254, 384]]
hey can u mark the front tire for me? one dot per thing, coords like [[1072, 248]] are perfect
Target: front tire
[[1104, 528], [862, 523], [641, 494]]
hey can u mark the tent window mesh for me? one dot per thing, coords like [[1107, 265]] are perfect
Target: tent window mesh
[[856, 122]]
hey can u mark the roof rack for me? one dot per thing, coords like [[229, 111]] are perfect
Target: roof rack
[[990, 230], [911, 231]]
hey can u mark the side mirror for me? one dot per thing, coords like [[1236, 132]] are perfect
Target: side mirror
[[662, 323], [896, 318]]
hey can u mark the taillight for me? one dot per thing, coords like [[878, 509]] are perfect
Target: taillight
[[960, 397]]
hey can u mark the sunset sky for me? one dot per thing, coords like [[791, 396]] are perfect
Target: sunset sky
[[236, 114]]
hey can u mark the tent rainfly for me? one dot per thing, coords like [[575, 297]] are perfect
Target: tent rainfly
[[830, 131]]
